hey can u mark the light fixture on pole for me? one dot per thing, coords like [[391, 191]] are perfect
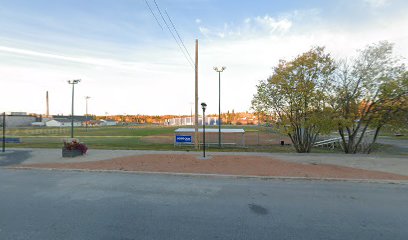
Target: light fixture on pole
[[86, 113], [73, 82], [219, 70], [203, 106]]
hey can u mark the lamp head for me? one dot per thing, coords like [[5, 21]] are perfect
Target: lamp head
[[219, 69], [74, 81], [203, 106]]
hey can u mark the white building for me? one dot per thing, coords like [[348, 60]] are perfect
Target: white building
[[108, 123], [38, 124], [188, 121], [17, 119], [62, 123]]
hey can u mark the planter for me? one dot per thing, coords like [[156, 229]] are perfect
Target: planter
[[71, 153]]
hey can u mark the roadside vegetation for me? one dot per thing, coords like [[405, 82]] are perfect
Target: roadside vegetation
[[315, 94]]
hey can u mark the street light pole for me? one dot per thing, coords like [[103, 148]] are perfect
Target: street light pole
[[4, 133], [219, 70], [204, 106], [73, 82], [86, 113]]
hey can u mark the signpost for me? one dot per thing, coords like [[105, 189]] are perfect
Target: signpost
[[184, 139]]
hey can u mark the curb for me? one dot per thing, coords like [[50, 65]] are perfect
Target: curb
[[213, 175]]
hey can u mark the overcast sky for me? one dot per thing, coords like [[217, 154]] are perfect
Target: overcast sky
[[129, 63]]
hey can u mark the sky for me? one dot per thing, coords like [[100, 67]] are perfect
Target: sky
[[129, 62]]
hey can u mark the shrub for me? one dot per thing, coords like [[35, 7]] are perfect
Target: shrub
[[75, 145]]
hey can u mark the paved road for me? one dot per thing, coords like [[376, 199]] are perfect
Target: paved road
[[81, 205]]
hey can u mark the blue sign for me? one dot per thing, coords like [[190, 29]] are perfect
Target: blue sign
[[11, 140], [183, 139]]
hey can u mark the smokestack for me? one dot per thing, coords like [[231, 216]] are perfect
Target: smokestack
[[47, 113]]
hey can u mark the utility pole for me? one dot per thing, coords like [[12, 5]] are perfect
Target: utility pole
[[191, 113], [73, 82], [3, 149], [219, 70], [86, 113], [196, 96]]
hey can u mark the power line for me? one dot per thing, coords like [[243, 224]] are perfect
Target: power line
[[153, 14], [172, 34], [181, 40]]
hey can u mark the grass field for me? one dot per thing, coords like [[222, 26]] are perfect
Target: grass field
[[134, 137], [148, 137]]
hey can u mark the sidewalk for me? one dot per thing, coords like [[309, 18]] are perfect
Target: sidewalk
[[390, 164]]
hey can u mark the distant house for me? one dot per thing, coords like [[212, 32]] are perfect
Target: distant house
[[62, 123], [38, 124], [108, 123], [76, 118]]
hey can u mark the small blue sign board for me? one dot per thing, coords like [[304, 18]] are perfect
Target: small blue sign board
[[11, 140], [183, 139]]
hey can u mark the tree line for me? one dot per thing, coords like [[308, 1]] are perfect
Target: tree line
[[315, 94]]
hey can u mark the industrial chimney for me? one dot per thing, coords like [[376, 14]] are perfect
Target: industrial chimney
[[47, 112]]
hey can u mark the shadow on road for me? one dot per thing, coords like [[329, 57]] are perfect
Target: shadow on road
[[14, 157]]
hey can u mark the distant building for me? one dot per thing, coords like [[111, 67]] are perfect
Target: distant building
[[38, 124], [107, 123], [188, 121], [62, 123], [16, 113], [76, 118], [19, 119]]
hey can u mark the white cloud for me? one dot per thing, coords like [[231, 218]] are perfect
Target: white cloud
[[101, 62], [198, 21], [377, 3], [274, 25], [249, 28]]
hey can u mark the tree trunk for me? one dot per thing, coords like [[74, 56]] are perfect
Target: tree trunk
[[377, 131]]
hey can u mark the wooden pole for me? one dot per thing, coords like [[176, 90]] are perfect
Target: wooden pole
[[3, 148], [196, 97]]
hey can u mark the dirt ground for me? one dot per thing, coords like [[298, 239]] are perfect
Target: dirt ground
[[229, 165]]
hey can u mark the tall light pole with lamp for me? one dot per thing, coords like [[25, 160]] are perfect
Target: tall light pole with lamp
[[203, 106], [219, 70], [73, 82]]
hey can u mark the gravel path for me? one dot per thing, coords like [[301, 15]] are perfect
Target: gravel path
[[227, 164]]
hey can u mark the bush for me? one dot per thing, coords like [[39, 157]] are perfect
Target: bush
[[75, 145]]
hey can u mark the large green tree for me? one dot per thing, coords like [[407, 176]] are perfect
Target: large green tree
[[299, 95], [371, 91]]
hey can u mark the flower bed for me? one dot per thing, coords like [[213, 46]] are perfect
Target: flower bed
[[73, 148]]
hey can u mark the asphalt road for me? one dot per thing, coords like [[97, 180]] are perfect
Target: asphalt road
[[81, 205]]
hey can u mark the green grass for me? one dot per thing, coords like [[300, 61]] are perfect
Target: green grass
[[123, 137], [91, 131], [120, 137], [388, 131]]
